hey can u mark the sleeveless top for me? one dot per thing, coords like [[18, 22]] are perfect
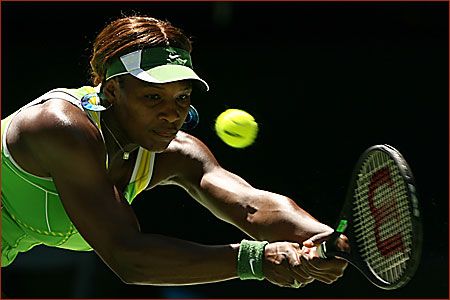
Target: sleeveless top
[[32, 211]]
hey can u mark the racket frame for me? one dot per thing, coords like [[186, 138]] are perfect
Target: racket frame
[[345, 223]]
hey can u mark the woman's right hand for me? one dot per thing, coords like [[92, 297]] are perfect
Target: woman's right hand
[[290, 265], [283, 265]]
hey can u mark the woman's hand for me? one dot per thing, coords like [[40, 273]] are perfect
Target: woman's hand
[[289, 265], [283, 265], [326, 270]]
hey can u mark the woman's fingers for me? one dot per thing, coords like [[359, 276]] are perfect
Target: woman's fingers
[[281, 261], [289, 265], [325, 270]]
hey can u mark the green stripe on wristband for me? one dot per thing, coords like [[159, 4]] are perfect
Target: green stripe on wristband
[[250, 260]]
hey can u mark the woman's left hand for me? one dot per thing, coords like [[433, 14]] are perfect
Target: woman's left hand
[[326, 270]]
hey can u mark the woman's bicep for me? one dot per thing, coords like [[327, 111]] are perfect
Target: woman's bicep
[[190, 164], [75, 158], [95, 206]]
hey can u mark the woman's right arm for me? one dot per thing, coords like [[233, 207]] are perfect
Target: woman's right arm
[[70, 149], [64, 143]]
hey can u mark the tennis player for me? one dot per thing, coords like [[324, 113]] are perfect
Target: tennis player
[[73, 160]]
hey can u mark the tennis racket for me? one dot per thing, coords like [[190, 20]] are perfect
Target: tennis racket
[[381, 219]]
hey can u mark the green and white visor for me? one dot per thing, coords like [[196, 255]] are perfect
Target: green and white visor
[[156, 65]]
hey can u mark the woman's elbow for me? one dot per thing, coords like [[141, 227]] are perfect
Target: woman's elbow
[[125, 263]]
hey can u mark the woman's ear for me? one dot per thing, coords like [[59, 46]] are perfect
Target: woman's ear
[[111, 90]]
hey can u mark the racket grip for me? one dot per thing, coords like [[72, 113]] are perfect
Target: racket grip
[[329, 248], [321, 250]]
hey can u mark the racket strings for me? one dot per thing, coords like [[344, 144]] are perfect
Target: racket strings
[[381, 217]]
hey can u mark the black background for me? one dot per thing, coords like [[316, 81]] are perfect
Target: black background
[[325, 80]]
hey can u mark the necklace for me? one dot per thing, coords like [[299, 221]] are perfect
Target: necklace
[[126, 154]]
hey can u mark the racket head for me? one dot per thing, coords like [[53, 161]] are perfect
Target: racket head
[[381, 218]]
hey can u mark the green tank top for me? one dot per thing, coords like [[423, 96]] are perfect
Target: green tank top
[[32, 212]]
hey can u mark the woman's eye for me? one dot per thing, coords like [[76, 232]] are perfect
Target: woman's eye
[[184, 99], [153, 97]]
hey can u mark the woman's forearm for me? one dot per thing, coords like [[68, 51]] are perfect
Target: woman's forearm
[[160, 260], [274, 217], [261, 214]]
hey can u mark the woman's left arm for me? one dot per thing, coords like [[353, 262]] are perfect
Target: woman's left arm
[[263, 215]]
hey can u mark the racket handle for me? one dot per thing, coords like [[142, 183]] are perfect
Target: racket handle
[[329, 247], [321, 250]]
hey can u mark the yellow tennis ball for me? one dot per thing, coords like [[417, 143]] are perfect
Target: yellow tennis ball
[[236, 128]]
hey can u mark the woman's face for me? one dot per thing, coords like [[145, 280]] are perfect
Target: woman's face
[[150, 114]]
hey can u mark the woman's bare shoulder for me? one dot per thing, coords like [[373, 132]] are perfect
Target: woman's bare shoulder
[[53, 128]]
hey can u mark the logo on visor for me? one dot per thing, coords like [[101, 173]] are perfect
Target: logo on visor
[[175, 58]]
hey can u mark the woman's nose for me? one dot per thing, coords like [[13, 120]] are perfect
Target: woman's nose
[[170, 114]]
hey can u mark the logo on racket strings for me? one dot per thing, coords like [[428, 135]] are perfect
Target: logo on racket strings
[[384, 212]]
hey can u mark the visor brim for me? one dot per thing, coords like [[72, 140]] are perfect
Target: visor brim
[[168, 73]]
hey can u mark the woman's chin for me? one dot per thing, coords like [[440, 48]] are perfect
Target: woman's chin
[[156, 146]]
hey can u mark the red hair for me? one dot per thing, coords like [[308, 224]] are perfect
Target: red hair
[[129, 34]]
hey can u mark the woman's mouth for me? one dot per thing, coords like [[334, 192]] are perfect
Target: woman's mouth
[[166, 134]]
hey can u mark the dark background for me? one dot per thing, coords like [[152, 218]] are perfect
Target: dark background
[[324, 80]]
